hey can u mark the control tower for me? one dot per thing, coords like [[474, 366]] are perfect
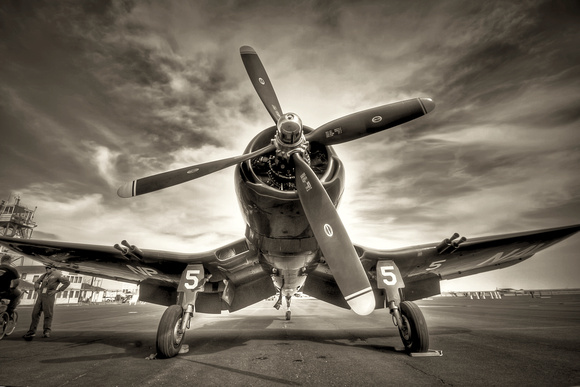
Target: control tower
[[16, 220]]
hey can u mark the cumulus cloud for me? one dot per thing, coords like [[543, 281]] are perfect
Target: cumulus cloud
[[93, 94]]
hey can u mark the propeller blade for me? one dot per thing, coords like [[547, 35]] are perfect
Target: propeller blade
[[333, 240], [370, 121], [178, 176], [261, 82]]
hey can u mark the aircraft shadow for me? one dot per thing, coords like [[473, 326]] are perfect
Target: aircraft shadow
[[218, 336]]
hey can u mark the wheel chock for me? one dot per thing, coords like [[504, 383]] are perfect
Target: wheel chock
[[429, 353]]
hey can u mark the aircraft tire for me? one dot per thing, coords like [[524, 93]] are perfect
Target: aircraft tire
[[414, 334], [169, 339], [288, 315]]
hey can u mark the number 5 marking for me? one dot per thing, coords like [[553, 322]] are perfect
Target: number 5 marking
[[435, 265], [390, 277], [191, 275]]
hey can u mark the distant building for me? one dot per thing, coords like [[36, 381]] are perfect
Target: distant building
[[17, 221], [82, 288]]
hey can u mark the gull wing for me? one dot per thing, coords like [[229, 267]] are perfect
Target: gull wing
[[234, 266], [474, 256], [422, 267]]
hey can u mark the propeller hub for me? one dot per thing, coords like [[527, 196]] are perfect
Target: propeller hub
[[290, 137], [289, 129]]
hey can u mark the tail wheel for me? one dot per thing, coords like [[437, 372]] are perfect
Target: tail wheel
[[414, 331], [169, 334], [288, 315]]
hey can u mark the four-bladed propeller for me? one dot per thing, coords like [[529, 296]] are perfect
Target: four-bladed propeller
[[330, 233], [261, 81], [370, 121], [178, 176]]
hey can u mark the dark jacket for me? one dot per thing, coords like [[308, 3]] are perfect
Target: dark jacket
[[7, 275]]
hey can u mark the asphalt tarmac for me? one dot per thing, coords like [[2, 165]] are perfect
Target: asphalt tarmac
[[519, 341]]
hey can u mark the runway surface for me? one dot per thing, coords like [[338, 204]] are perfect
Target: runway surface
[[514, 341]]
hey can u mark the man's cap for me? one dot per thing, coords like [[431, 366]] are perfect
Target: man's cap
[[51, 265]]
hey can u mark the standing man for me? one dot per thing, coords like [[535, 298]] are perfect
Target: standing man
[[9, 281], [47, 287]]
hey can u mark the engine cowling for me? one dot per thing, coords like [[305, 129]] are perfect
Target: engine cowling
[[266, 190]]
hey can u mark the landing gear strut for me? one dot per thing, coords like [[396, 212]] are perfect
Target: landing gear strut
[[288, 312], [406, 315], [176, 318], [278, 304]]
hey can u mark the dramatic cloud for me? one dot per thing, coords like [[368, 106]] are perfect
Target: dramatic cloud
[[96, 93]]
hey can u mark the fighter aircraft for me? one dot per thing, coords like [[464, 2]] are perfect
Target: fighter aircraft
[[288, 182]]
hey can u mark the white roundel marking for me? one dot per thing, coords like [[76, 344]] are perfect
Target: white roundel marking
[[377, 119], [262, 81], [328, 230]]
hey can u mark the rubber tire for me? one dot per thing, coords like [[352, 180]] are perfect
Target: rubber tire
[[288, 315], [10, 329], [3, 322], [418, 340], [168, 341]]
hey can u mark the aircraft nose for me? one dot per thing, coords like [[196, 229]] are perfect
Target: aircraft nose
[[428, 104]]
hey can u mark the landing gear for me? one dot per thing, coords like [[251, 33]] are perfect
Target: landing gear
[[176, 318], [279, 304], [170, 333], [288, 312], [413, 328], [406, 315]]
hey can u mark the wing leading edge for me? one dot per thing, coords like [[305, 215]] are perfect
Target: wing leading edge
[[422, 267], [237, 266], [427, 263], [235, 279]]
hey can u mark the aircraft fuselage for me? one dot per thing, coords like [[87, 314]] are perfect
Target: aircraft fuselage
[[275, 221]]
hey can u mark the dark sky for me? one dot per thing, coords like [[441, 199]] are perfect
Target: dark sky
[[96, 93]]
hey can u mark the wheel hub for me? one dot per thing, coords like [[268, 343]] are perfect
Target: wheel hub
[[405, 328], [178, 332]]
